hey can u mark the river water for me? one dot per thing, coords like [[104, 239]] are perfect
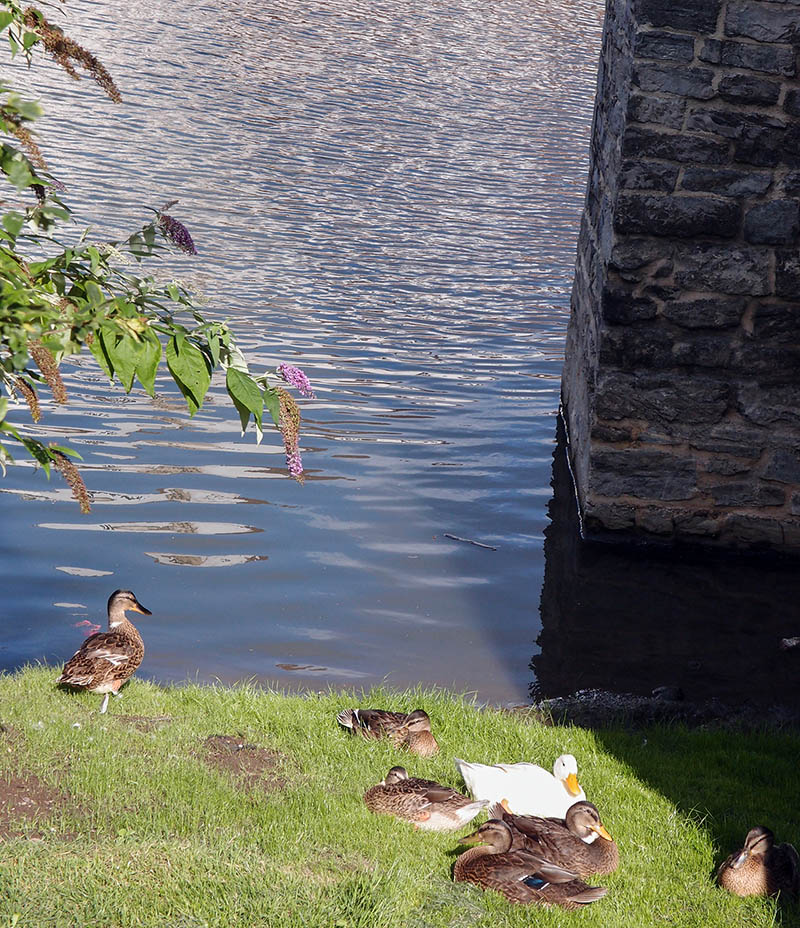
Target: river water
[[389, 197]]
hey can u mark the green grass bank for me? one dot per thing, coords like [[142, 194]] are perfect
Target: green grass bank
[[151, 816]]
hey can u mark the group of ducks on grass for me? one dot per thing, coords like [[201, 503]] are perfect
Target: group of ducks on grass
[[542, 836]]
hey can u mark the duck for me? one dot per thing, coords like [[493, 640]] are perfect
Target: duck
[[410, 730], [579, 841], [431, 806], [519, 875], [527, 788], [106, 660], [761, 867]]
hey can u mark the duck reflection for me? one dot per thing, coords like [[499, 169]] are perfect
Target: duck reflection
[[630, 619]]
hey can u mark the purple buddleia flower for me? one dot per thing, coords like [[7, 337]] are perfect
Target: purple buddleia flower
[[294, 463], [177, 233], [296, 378]]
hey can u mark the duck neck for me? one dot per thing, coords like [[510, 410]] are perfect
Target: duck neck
[[119, 622], [464, 860]]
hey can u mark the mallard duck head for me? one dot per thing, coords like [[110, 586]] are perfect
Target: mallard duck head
[[583, 820], [118, 604], [395, 775], [565, 770], [418, 720], [757, 843], [494, 833]]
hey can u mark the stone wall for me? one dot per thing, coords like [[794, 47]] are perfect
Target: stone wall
[[681, 386]]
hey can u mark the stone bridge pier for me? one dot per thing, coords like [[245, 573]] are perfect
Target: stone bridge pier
[[681, 387]]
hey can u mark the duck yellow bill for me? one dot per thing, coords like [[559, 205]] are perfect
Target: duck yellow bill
[[572, 785], [140, 608], [473, 838], [602, 832]]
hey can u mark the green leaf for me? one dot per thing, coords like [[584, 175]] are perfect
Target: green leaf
[[97, 347], [273, 404], [123, 351], [5, 19], [189, 370], [246, 396], [94, 294], [149, 359]]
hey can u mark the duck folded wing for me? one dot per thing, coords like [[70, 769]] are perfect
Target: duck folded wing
[[104, 650]]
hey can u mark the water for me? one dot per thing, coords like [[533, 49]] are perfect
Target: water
[[390, 198]]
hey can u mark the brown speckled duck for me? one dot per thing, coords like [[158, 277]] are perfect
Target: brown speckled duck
[[761, 867], [578, 842], [428, 804], [519, 875], [410, 730], [106, 660]]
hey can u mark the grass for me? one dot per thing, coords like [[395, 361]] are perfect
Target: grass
[[151, 835]]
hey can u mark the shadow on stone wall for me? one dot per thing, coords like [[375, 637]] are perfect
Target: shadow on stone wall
[[631, 619]]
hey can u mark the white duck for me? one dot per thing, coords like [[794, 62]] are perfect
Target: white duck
[[527, 788]]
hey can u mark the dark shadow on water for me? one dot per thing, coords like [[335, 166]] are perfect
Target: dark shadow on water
[[629, 620]]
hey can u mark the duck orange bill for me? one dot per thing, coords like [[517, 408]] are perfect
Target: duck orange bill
[[600, 830], [572, 784], [138, 607]]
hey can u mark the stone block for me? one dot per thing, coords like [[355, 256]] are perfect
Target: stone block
[[791, 102], [685, 15], [772, 363], [769, 59], [704, 313], [676, 216], [687, 82], [633, 253], [731, 437], [735, 124], [620, 307], [730, 270], [747, 531], [776, 222], [743, 494], [648, 175], [727, 466], [612, 517], [779, 321], [668, 46], [636, 349], [787, 273], [697, 522], [747, 89], [642, 474], [663, 111], [612, 434], [703, 351], [728, 182], [658, 398], [783, 465], [639, 142], [769, 405], [790, 147], [654, 519], [764, 22]]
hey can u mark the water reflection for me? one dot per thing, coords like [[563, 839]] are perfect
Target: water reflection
[[630, 621]]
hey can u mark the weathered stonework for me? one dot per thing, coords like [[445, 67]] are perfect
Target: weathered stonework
[[682, 378]]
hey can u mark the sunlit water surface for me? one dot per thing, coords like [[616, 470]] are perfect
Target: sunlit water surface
[[387, 195]]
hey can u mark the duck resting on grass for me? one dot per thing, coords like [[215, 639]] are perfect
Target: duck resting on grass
[[519, 875], [526, 788], [578, 842], [761, 867], [411, 730], [107, 659], [428, 804]]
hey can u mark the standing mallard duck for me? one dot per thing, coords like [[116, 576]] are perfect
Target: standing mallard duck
[[411, 730], [519, 875], [579, 841], [527, 788], [428, 804], [106, 660], [761, 867]]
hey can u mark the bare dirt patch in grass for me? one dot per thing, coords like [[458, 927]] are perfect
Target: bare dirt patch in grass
[[250, 766], [24, 799]]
